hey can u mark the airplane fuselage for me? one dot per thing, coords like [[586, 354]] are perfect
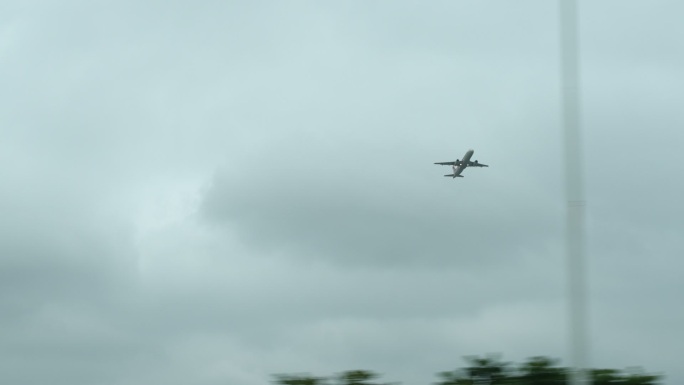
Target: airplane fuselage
[[466, 158], [459, 165], [463, 164]]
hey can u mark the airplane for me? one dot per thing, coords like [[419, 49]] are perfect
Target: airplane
[[459, 165]]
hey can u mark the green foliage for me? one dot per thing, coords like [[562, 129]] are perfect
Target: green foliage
[[487, 371], [541, 371], [615, 377], [490, 370], [298, 379], [605, 377], [356, 377], [535, 371], [350, 377], [453, 378]]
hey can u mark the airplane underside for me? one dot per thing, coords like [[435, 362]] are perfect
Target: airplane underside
[[459, 165]]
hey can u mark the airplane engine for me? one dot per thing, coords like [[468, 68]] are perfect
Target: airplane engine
[[476, 162]]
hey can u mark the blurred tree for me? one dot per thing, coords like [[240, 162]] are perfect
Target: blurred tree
[[606, 377], [298, 379], [357, 377], [634, 376], [487, 371], [456, 377], [541, 371], [641, 379], [482, 371], [350, 377], [490, 370]]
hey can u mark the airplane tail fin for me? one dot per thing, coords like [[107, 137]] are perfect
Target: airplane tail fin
[[454, 176]]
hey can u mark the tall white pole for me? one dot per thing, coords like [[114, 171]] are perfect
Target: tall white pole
[[574, 190]]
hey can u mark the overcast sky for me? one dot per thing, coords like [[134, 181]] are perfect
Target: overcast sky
[[214, 192]]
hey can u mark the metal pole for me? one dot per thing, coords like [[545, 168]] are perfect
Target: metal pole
[[574, 191]]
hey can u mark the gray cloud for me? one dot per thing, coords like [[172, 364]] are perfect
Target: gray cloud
[[215, 193], [379, 216]]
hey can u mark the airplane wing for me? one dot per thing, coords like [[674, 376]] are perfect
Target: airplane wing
[[454, 163], [476, 164]]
